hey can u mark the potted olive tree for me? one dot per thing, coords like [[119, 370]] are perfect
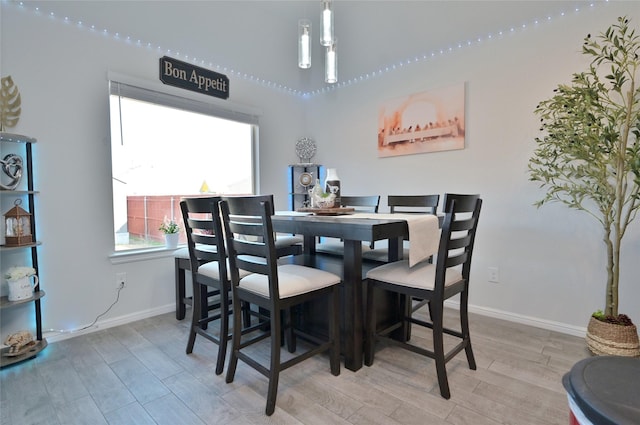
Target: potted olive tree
[[589, 159]]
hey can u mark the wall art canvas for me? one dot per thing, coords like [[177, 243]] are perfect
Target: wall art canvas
[[429, 121]]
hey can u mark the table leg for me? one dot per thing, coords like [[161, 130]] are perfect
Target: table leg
[[353, 308], [309, 245]]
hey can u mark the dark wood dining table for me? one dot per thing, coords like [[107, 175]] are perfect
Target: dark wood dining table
[[353, 231]]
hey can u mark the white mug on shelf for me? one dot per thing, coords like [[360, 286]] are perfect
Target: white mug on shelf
[[22, 288]]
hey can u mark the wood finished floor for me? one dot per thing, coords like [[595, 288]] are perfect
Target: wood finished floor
[[139, 374]]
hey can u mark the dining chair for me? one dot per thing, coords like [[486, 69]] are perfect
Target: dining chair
[[403, 204], [209, 276], [364, 204], [286, 244], [274, 288], [432, 282]]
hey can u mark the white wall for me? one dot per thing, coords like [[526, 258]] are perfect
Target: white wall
[[551, 260], [61, 73]]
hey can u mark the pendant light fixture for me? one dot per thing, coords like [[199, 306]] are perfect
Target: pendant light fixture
[[326, 24], [304, 43], [327, 39], [331, 63]]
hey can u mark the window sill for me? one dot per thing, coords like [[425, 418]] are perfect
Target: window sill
[[135, 255]]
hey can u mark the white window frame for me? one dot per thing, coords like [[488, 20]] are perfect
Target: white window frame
[[168, 96]]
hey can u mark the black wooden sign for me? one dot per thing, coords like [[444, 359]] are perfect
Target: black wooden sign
[[190, 77]]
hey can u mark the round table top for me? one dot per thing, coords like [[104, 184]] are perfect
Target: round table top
[[606, 389]]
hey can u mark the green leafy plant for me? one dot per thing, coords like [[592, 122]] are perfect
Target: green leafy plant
[[169, 226], [589, 156]]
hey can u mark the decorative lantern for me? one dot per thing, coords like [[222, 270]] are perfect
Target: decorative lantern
[[17, 226]]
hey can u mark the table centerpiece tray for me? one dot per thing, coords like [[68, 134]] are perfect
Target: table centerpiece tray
[[328, 211]]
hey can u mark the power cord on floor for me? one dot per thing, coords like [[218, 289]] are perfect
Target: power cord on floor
[[120, 288]]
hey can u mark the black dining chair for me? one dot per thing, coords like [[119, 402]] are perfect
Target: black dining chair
[[360, 204], [434, 283], [275, 289], [207, 255], [403, 204]]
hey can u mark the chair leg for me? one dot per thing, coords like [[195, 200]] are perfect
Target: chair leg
[[334, 331], [237, 334], [246, 314], [370, 326], [195, 316], [204, 305], [224, 330], [438, 349], [464, 324], [180, 290], [289, 335], [274, 370]]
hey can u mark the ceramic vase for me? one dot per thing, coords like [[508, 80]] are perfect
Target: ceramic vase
[[332, 185]]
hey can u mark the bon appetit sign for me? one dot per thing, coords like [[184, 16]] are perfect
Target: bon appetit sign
[[186, 76]]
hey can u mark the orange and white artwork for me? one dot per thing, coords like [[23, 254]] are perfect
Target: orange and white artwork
[[430, 121]]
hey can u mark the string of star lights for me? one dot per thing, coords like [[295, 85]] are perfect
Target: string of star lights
[[136, 42]]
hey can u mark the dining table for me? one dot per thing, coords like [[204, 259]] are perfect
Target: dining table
[[353, 230]]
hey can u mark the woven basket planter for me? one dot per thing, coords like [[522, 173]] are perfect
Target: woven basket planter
[[609, 339]]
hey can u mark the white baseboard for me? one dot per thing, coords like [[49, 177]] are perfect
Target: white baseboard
[[54, 336], [525, 320]]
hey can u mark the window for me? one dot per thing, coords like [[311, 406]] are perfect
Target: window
[[165, 147]]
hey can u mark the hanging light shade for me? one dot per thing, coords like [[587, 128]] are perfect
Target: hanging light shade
[[326, 24], [304, 43], [331, 63]]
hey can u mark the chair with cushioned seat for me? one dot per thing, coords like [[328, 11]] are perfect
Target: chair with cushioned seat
[[403, 204], [274, 288], [433, 283], [364, 204], [207, 257], [286, 245]]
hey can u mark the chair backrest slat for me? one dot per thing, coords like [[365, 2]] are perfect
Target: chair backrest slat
[[361, 203], [416, 204]]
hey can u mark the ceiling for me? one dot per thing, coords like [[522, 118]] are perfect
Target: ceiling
[[258, 38]]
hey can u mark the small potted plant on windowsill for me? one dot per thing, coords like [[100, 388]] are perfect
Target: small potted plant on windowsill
[[170, 229], [589, 159]]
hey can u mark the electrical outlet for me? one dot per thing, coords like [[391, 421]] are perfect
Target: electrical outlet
[[121, 280], [494, 274]]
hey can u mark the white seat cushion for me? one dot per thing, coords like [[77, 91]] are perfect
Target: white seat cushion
[[212, 270], [292, 280], [420, 276], [336, 246], [181, 253], [286, 240]]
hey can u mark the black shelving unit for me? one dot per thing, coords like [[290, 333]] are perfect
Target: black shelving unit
[[298, 192], [22, 145]]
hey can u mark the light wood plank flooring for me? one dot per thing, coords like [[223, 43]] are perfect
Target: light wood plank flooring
[[139, 374]]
